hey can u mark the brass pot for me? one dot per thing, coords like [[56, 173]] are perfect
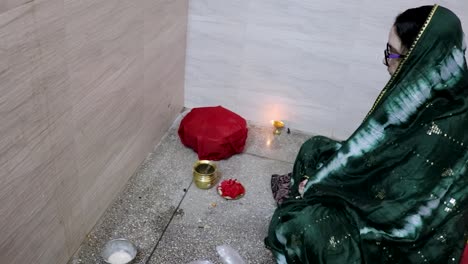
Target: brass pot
[[205, 174]]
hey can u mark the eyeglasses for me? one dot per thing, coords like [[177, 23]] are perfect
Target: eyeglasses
[[389, 55]]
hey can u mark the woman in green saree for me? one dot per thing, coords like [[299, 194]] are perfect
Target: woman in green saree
[[396, 191]]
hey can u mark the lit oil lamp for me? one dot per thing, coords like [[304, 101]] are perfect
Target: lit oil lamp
[[279, 125]]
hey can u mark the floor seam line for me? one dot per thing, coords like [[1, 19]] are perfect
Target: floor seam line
[[168, 224], [265, 157]]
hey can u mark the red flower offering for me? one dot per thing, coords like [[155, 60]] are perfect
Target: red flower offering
[[231, 189]]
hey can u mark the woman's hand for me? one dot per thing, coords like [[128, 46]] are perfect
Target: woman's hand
[[302, 186]]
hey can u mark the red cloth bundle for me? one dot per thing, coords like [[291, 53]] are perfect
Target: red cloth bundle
[[215, 133], [464, 259]]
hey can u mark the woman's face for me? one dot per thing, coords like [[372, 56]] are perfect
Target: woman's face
[[394, 47]]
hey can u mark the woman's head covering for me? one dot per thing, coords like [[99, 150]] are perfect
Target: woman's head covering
[[435, 61]]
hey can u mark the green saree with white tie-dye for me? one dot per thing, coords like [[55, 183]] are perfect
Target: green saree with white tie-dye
[[397, 190]]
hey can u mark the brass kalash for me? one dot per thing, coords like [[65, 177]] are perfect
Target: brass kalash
[[205, 174]]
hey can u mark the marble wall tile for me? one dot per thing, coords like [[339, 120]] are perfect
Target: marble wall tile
[[215, 77], [65, 179], [306, 18], [354, 106], [6, 5], [47, 226], [21, 101], [161, 16], [220, 10], [271, 59], [281, 63], [41, 230], [23, 204], [52, 76], [106, 121], [101, 34], [84, 97], [162, 42], [164, 64], [215, 27], [277, 47], [28, 212]]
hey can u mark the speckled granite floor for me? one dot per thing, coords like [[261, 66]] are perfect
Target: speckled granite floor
[[172, 221]]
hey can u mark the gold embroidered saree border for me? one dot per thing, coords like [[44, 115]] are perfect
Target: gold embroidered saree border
[[392, 79]]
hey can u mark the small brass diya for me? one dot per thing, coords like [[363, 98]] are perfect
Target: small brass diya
[[279, 125], [205, 174]]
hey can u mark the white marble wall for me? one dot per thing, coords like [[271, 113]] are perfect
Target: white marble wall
[[316, 64]]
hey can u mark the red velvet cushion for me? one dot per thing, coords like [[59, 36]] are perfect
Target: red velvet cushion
[[215, 133]]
